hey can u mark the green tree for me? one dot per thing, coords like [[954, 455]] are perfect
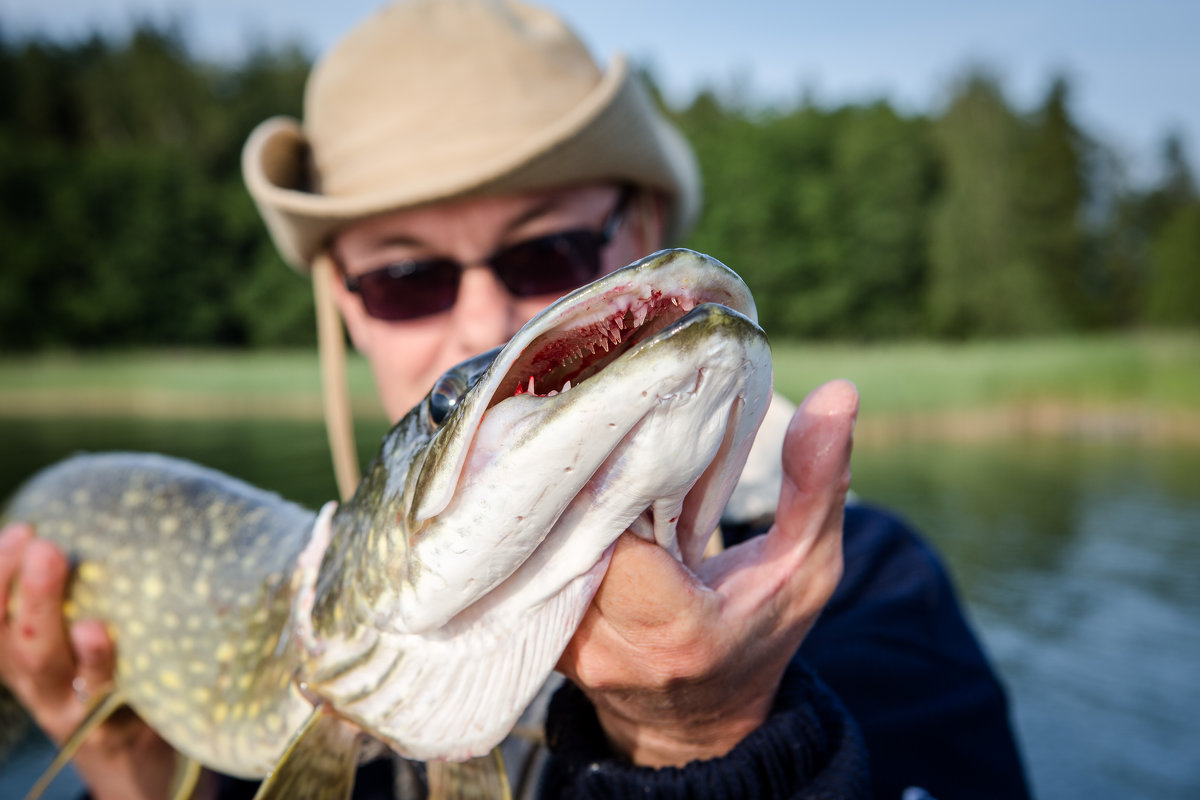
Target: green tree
[[983, 278], [1052, 194], [884, 176], [823, 213], [122, 211], [1172, 288]]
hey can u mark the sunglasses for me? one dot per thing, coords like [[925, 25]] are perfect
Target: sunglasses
[[552, 264]]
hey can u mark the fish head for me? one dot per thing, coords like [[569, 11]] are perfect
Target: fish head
[[629, 404], [467, 559]]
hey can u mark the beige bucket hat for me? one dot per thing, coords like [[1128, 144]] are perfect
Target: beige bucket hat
[[430, 100]]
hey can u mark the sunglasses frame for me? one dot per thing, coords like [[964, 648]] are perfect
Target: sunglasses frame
[[405, 269]]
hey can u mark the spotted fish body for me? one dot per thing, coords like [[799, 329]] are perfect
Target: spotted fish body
[[428, 610], [191, 571]]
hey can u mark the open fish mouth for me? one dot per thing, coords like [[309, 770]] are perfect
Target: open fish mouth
[[628, 404], [600, 329]]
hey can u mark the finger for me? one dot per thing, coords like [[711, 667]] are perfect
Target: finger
[[648, 602], [40, 632], [801, 553], [94, 655], [806, 538], [645, 585], [816, 450], [13, 538], [816, 473]]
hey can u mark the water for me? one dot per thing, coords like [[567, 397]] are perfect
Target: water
[[1079, 562], [288, 457]]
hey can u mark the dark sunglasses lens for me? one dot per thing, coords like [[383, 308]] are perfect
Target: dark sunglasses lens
[[420, 289], [551, 264]]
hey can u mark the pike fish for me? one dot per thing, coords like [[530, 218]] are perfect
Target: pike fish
[[262, 639]]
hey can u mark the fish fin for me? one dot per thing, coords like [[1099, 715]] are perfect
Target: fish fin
[[187, 773], [100, 707], [481, 778], [319, 762]]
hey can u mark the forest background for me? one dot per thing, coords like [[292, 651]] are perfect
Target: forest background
[[124, 221]]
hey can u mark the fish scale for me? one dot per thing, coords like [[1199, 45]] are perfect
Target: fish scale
[[194, 659], [261, 639]]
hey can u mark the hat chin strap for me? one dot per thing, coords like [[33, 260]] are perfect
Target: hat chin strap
[[335, 394]]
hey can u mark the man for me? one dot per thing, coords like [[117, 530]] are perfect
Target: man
[[461, 164]]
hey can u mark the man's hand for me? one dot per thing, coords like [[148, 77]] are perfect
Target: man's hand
[[683, 665], [52, 669]]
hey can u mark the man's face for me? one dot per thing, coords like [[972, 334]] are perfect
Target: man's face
[[407, 356]]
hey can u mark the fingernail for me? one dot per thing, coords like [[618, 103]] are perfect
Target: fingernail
[[836, 397]]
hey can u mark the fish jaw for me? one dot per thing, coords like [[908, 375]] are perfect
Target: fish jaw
[[621, 449]]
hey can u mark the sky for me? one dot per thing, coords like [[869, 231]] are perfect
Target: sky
[[1133, 65]]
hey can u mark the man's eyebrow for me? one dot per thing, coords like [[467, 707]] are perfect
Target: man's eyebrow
[[538, 209], [398, 239]]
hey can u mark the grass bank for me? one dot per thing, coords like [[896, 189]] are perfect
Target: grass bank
[[173, 384], [1141, 386], [1144, 385]]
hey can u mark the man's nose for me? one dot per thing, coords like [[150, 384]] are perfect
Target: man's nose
[[486, 313]]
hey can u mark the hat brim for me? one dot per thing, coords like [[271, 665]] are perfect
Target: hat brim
[[613, 134]]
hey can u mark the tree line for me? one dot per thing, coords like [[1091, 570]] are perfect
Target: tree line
[[124, 221]]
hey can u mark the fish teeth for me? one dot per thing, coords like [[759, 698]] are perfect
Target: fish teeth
[[567, 386], [639, 316], [687, 303]]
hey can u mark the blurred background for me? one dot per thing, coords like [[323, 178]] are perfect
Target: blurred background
[[986, 215]]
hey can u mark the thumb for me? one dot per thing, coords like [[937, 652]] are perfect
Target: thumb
[[816, 451], [804, 543]]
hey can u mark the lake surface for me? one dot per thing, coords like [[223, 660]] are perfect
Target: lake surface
[[1079, 562]]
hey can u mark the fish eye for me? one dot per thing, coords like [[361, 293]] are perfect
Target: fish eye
[[444, 397], [454, 384]]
